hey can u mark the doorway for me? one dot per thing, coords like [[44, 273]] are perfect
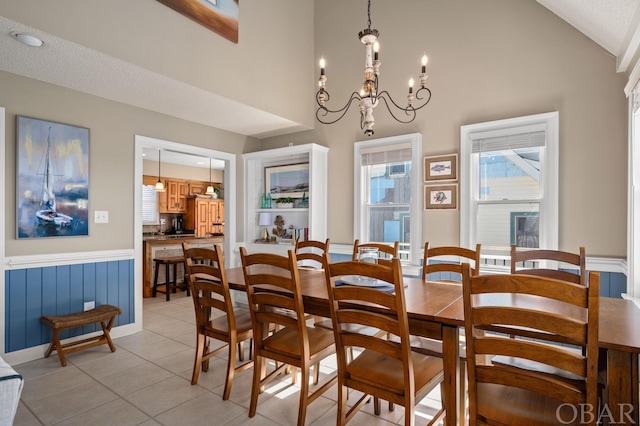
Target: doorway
[[142, 142]]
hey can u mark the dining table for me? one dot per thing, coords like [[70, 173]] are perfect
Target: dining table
[[435, 310]]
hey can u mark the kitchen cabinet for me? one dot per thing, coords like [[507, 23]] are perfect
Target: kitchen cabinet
[[205, 216], [176, 196], [196, 187]]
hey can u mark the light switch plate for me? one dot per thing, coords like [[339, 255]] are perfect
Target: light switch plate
[[101, 217]]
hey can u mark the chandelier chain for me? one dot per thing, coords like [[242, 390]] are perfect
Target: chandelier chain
[[369, 15]]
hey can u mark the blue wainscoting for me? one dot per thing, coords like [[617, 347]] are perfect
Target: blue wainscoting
[[58, 290]]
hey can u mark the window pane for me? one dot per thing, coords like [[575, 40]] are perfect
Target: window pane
[[500, 225], [509, 174], [389, 183], [389, 224]]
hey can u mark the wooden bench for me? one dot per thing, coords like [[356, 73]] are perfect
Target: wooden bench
[[104, 314]]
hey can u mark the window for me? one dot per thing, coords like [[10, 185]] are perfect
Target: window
[[388, 193], [509, 184], [149, 205]]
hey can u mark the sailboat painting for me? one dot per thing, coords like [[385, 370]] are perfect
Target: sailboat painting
[[52, 162]]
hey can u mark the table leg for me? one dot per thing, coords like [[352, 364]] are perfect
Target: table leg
[[622, 387], [451, 364]]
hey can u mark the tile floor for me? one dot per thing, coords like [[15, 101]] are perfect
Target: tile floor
[[147, 381]]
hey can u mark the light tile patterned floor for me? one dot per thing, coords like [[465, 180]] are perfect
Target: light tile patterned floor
[[147, 382]]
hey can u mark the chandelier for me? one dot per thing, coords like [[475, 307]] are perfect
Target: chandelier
[[369, 96]]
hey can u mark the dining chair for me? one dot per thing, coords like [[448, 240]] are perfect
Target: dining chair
[[444, 264], [384, 368], [447, 262], [274, 297], [542, 312], [538, 257], [310, 253], [216, 317], [385, 251]]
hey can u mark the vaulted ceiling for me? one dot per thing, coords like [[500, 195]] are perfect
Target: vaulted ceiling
[[613, 24]]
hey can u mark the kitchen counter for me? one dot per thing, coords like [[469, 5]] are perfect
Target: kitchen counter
[[167, 246]]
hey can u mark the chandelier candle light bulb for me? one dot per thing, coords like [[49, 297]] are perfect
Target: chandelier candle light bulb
[[369, 96]]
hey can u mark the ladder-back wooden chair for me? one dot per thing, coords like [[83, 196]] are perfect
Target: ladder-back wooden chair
[[445, 264], [310, 253], [216, 317], [541, 312], [449, 261], [385, 251], [557, 257], [274, 296], [385, 368]]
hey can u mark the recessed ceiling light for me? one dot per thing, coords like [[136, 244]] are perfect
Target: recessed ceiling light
[[27, 39]]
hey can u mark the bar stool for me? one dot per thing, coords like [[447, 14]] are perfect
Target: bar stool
[[167, 261]]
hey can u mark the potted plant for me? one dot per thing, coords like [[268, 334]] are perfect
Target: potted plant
[[284, 203]]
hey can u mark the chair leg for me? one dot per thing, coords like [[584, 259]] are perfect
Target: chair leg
[[155, 281], [316, 373], [304, 396], [343, 393], [258, 372], [167, 281], [240, 351], [175, 278], [197, 363], [231, 363], [205, 363]]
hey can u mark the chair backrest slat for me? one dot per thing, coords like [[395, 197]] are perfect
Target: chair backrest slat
[[449, 259]]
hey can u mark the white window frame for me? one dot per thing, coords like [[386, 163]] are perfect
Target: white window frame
[[360, 219], [549, 206]]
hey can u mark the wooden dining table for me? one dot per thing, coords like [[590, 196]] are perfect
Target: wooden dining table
[[435, 310]]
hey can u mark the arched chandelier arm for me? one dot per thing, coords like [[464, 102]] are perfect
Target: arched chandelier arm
[[323, 111], [409, 110]]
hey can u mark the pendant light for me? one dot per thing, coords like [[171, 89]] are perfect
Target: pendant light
[[159, 184], [210, 190]]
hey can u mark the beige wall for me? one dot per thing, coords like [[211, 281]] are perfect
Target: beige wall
[[270, 67], [112, 129], [488, 60]]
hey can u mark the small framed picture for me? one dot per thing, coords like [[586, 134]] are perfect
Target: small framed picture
[[441, 197], [441, 167]]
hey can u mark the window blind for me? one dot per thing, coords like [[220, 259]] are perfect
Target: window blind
[[149, 205], [385, 155], [509, 142]]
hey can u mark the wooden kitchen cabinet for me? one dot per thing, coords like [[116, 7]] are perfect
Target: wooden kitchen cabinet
[[205, 216], [196, 187], [176, 196]]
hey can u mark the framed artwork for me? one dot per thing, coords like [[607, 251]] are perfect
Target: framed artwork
[[291, 180], [52, 179], [441, 197], [220, 16], [441, 167]]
